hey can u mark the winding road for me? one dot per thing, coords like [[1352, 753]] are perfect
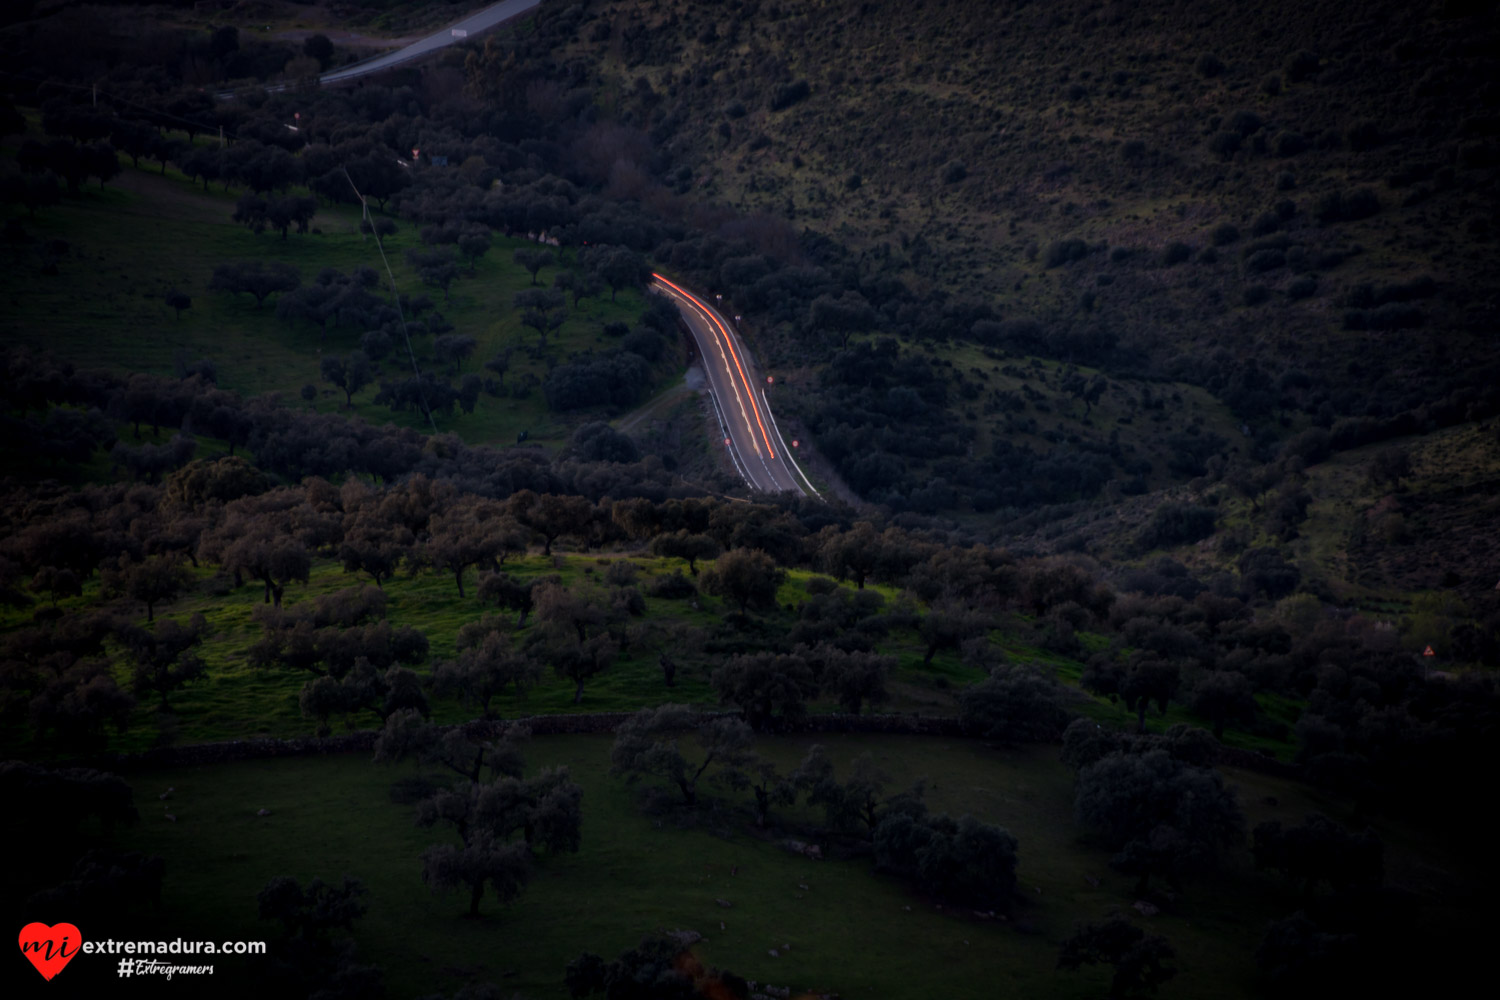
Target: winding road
[[472, 25], [756, 446], [458, 32]]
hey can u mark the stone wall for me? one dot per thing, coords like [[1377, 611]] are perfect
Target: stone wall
[[363, 741]]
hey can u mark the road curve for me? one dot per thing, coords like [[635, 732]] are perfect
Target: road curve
[[475, 23], [755, 444], [472, 25]]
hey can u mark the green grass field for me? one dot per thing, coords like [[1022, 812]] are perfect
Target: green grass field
[[849, 930], [146, 233], [238, 700]]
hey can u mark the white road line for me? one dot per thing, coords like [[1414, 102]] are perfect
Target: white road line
[[723, 337], [785, 451]]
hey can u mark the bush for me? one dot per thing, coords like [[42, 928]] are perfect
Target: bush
[[1301, 65], [1225, 143], [965, 862], [1391, 316], [1065, 252], [1270, 84], [1346, 206], [790, 94], [1265, 224], [1312, 446], [1362, 136], [1302, 288], [1224, 234], [1290, 143], [1017, 703], [1264, 260], [1175, 253], [1246, 123], [1209, 66], [1256, 295], [1175, 524], [675, 587]]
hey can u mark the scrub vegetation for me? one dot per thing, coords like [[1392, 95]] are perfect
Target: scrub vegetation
[[371, 582]]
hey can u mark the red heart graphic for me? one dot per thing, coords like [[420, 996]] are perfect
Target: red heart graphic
[[50, 949]]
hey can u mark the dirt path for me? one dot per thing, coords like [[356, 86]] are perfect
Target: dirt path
[[658, 408]]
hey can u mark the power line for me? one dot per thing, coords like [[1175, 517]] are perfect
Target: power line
[[405, 334]]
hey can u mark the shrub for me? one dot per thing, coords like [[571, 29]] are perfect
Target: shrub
[[1391, 316], [1017, 703], [1246, 123], [674, 587], [1311, 446], [790, 94], [1301, 65], [1347, 206], [1362, 136], [1270, 84], [1256, 295], [1290, 143], [1176, 253], [1225, 143], [1286, 181], [1175, 524], [1065, 252], [1224, 234], [1264, 260], [954, 172], [1265, 224], [966, 861], [1209, 66], [1302, 288]]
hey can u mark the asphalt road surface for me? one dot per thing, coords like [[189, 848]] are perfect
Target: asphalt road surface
[[485, 19], [755, 443]]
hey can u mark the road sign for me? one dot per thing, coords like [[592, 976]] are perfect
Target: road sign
[[726, 442], [1428, 652], [796, 443], [769, 380]]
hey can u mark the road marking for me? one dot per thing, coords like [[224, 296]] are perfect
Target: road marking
[[729, 339]]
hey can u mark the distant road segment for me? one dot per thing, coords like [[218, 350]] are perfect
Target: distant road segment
[[754, 441], [472, 25]]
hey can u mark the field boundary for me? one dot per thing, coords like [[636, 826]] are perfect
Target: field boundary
[[363, 740]]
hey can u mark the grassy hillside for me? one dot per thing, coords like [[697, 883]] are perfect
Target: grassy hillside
[[1296, 230], [850, 932], [959, 146], [123, 248], [239, 700]]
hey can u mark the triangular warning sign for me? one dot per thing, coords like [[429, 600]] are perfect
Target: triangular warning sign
[[1428, 652]]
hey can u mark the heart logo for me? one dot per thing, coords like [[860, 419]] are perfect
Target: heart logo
[[50, 949]]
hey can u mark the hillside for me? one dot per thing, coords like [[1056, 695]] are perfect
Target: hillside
[[1137, 189], [373, 583]]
